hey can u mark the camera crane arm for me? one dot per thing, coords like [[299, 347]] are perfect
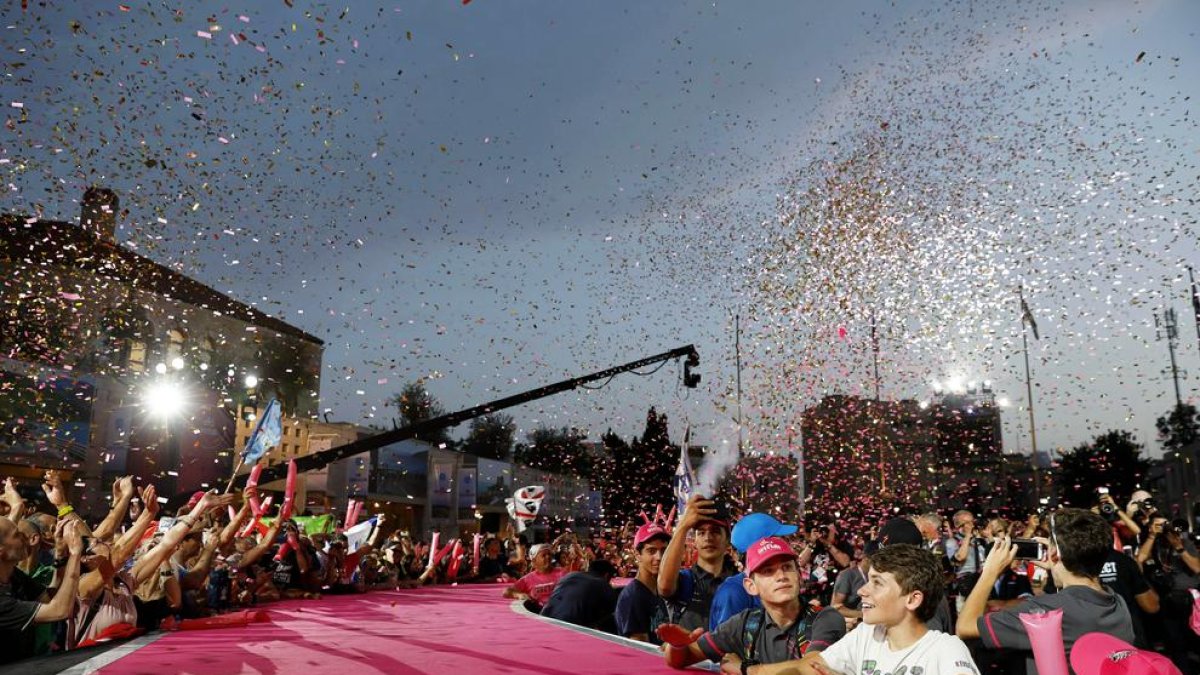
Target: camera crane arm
[[324, 458]]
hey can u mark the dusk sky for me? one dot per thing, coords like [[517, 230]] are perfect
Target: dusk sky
[[497, 195]]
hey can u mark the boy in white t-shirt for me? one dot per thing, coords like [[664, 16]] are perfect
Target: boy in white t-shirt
[[903, 589]]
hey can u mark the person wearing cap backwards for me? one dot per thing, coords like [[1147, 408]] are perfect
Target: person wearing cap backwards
[[538, 584], [689, 593], [1079, 544], [731, 596], [639, 609], [781, 630], [903, 590]]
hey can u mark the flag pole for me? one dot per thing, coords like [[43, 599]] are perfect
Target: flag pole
[[1037, 482], [241, 461], [1195, 302]]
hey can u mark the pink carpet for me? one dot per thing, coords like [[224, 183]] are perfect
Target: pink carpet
[[465, 629]]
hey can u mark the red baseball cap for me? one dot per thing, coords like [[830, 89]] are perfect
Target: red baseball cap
[[196, 496], [1103, 654], [767, 549], [649, 531]]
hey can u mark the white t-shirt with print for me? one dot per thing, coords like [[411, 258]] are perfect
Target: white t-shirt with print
[[864, 651]]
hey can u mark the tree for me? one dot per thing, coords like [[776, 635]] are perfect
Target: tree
[[1180, 429], [637, 476], [491, 436], [1111, 460], [417, 405], [556, 450]]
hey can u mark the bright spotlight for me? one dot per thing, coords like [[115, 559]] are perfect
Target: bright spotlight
[[923, 405], [1003, 402], [164, 399], [160, 368], [177, 363], [251, 381]]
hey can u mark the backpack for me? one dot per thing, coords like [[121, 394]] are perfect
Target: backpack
[[753, 626]]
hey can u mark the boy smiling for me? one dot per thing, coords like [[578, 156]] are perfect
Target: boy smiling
[[902, 592]]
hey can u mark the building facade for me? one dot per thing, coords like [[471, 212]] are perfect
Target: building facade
[[115, 364], [866, 457]]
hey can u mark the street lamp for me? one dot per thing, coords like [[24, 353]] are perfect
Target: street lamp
[[164, 399]]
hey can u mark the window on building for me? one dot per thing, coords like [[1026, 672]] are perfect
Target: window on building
[[208, 351], [175, 341], [136, 360]]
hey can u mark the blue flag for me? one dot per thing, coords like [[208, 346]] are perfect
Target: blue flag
[[266, 435], [685, 478]]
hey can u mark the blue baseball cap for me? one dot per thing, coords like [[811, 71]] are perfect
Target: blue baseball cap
[[755, 526]]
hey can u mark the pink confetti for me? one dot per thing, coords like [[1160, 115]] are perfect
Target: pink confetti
[[204, 34]]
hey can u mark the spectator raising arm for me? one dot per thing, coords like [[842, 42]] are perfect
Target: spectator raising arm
[[123, 549], [59, 607], [122, 492], [148, 564], [16, 505], [999, 559], [252, 556], [197, 576], [698, 508], [56, 494]]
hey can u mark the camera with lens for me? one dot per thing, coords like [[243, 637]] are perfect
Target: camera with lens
[[1107, 509]]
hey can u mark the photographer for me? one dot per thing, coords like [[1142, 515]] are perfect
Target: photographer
[[1124, 527], [1170, 562], [966, 550]]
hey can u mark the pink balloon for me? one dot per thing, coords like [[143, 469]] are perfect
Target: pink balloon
[[442, 553], [255, 474], [433, 547], [252, 481], [475, 551], [455, 560], [289, 491], [1046, 641]]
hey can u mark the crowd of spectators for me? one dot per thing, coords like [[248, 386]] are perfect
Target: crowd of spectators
[[940, 592]]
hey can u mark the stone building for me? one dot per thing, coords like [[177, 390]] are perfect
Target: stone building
[[111, 363]]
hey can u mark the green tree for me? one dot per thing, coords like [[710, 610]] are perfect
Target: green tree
[[1180, 429], [415, 405], [645, 475], [491, 436], [557, 450], [1113, 460]]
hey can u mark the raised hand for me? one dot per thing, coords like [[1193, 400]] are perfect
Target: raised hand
[[150, 500], [698, 508], [123, 488], [13, 498], [53, 488], [74, 536]]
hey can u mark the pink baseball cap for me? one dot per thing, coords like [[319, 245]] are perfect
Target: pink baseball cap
[[649, 531], [765, 550], [196, 496], [1103, 654]]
